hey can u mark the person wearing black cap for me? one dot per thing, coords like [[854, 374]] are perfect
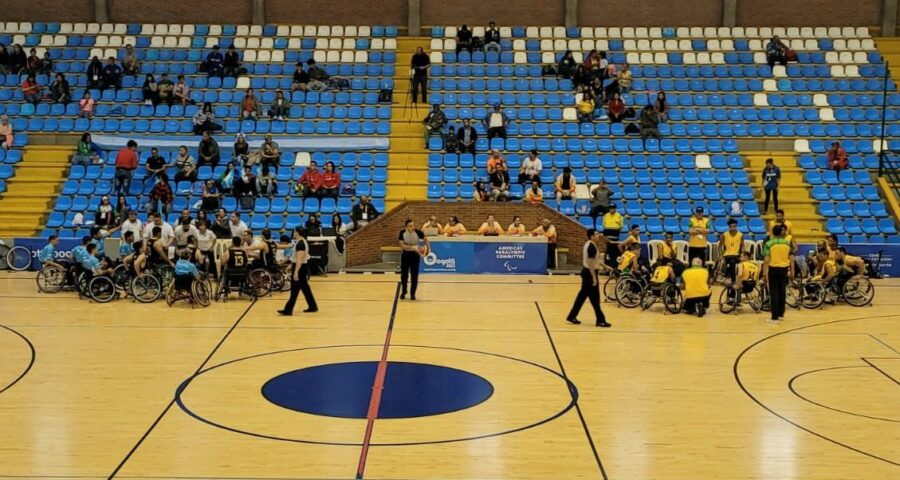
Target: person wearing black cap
[[699, 229], [612, 227], [591, 264]]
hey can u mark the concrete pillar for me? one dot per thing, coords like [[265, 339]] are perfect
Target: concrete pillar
[[729, 13], [571, 13], [258, 16], [414, 22], [888, 18], [101, 11]]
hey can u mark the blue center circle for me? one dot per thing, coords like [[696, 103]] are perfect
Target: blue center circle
[[345, 390]]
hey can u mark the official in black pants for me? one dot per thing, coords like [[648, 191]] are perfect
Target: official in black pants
[[778, 270], [300, 277], [420, 65], [592, 263], [410, 238]]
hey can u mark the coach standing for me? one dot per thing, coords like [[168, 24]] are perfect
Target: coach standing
[[410, 255], [300, 276], [592, 263], [420, 65], [778, 268]]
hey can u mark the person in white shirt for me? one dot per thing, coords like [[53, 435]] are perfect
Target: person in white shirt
[[206, 247], [256, 248], [237, 225], [134, 225], [496, 122], [184, 231], [167, 234], [530, 171]]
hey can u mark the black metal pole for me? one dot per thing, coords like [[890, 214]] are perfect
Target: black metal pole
[[881, 145]]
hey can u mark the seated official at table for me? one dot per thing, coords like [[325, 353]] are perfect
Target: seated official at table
[[453, 228], [516, 228], [432, 227], [490, 227]]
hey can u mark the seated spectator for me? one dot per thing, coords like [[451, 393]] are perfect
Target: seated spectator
[[301, 79], [649, 124], [31, 90], [204, 120], [130, 64], [582, 77], [467, 136], [150, 90], [46, 67], [463, 39], [249, 106], [496, 162], [597, 91], [616, 109], [232, 62], [182, 92], [661, 106], [121, 210], [166, 90], [94, 73], [481, 192], [567, 65], [534, 195], [155, 165], [565, 185], [59, 90], [331, 181], [624, 79], [591, 62], [313, 226], [215, 63], [208, 150], [245, 185], [310, 183], [4, 59], [530, 171], [241, 151], [17, 59], [776, 52], [451, 142], [211, 198], [161, 195], [6, 132], [32, 62], [86, 105], [432, 227], [434, 122], [499, 180], [837, 157], [112, 75], [317, 77], [492, 38], [86, 151], [490, 227], [516, 228], [280, 106], [266, 183], [585, 108], [496, 122], [270, 152], [363, 213], [186, 165], [453, 228], [105, 216]]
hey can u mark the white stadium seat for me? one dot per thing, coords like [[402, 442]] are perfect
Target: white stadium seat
[[820, 100], [760, 100], [337, 31], [826, 114], [801, 145], [242, 83], [249, 55]]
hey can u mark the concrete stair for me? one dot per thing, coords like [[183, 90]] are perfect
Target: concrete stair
[[30, 194], [793, 195]]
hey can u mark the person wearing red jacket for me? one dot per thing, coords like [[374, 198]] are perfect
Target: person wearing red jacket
[[126, 164], [331, 181], [837, 157], [310, 184]]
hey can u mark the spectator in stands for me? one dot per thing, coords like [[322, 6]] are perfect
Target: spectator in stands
[[208, 150], [6, 132], [86, 151], [86, 105], [112, 75], [186, 165], [266, 183], [649, 124], [236, 225], [496, 162], [453, 228], [463, 39], [182, 92], [270, 152], [317, 76], [600, 196], [451, 141], [586, 107], [313, 226], [280, 107], [467, 137], [530, 170], [94, 73], [232, 62], [226, 180], [241, 152], [221, 226], [132, 223], [616, 109], [776, 52], [17, 59], [150, 90], [492, 38], [771, 179], [516, 228], [60, 91], [499, 180], [363, 213], [547, 229], [490, 227], [597, 91], [161, 195], [310, 182], [496, 122], [105, 216], [434, 122], [565, 185], [212, 197], [204, 120], [126, 164], [185, 217], [31, 90], [300, 80], [567, 65], [249, 106], [4, 60], [481, 192], [32, 62], [581, 78], [46, 67], [624, 79], [156, 164], [420, 64], [837, 157], [331, 181], [245, 184], [215, 63], [130, 64], [661, 106], [166, 90], [534, 195]]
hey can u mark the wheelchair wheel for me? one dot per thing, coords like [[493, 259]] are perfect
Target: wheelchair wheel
[[51, 279], [278, 280], [793, 295], [166, 274], [647, 299], [146, 288], [812, 295], [18, 258], [673, 299], [609, 289], [81, 283], [728, 300], [260, 282], [765, 304], [121, 276], [754, 299], [629, 291], [102, 289], [859, 291], [202, 293], [171, 295]]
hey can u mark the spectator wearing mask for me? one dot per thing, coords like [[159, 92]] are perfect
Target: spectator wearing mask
[[567, 65], [496, 122], [186, 165], [86, 105], [310, 183], [130, 64], [150, 90], [6, 133], [434, 122], [530, 171], [31, 90], [467, 136], [182, 92], [317, 77], [204, 120], [331, 181], [266, 183], [363, 213], [837, 158], [249, 106], [463, 39], [112, 75], [126, 164], [616, 109], [166, 90], [280, 106], [232, 63], [492, 38], [215, 63], [565, 185], [420, 64], [208, 150], [301, 79], [60, 91]]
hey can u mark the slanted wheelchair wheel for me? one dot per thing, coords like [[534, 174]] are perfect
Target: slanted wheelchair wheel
[[278, 280], [629, 292], [166, 275], [609, 289], [260, 282], [121, 276], [170, 295], [51, 279], [812, 295], [202, 293], [146, 288], [673, 299], [859, 291], [727, 300], [793, 294], [647, 299], [18, 258], [102, 289]]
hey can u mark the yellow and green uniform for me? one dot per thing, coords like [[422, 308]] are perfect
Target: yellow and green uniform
[[698, 240], [667, 251], [696, 282], [779, 252], [661, 274], [733, 244], [828, 268], [625, 261], [749, 271]]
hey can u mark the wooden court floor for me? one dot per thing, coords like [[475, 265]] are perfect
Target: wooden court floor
[[134, 391]]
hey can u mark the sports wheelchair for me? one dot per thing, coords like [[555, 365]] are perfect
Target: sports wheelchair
[[187, 288]]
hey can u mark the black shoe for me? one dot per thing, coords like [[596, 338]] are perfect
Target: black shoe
[[311, 310], [574, 321], [604, 324], [412, 297], [285, 313], [403, 296], [701, 311]]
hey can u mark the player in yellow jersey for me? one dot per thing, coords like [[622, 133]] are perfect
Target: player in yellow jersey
[[699, 229], [628, 262], [826, 268], [746, 275], [731, 244]]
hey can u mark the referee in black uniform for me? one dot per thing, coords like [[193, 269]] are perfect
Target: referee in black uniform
[[410, 255], [592, 263], [300, 276]]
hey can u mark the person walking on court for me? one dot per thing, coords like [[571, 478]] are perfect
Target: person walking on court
[[300, 276], [409, 239], [420, 65], [771, 179], [777, 270], [592, 263]]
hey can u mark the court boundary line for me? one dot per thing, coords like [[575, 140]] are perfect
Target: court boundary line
[[30, 362], [793, 389], [172, 401], [562, 370]]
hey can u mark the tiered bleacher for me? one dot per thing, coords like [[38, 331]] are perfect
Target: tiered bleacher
[[9, 159], [719, 88]]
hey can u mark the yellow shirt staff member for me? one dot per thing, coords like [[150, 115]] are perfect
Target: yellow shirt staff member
[[548, 230], [699, 229], [612, 227], [517, 228], [778, 269], [453, 228], [490, 227], [695, 284]]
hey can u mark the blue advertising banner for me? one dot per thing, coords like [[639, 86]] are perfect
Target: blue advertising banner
[[449, 257], [63, 250], [486, 257]]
